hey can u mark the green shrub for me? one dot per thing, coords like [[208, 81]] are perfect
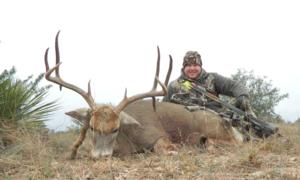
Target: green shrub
[[22, 102]]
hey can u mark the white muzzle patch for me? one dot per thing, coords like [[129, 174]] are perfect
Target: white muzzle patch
[[103, 144]]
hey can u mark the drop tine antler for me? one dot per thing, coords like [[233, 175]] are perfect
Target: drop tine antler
[[152, 93], [58, 80]]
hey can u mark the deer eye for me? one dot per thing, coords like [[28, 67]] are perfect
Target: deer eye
[[116, 130]]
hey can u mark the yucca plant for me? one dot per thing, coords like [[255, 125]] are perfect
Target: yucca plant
[[22, 102]]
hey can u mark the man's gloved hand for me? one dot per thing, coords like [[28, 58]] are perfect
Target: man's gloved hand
[[243, 103], [187, 85]]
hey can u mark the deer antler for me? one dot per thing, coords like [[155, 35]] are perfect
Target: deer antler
[[58, 80], [87, 95], [153, 92]]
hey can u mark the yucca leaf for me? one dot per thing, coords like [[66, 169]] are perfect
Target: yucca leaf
[[23, 102]]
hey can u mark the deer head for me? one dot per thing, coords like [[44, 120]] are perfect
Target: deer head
[[105, 120]]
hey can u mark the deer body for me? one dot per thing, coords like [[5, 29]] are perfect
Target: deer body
[[169, 121]]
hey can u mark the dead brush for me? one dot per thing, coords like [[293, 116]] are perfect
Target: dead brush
[[277, 145], [28, 154], [284, 144], [60, 142], [249, 156]]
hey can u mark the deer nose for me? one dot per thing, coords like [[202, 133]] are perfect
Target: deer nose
[[96, 154]]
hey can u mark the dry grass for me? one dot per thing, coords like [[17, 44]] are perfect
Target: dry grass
[[36, 156]]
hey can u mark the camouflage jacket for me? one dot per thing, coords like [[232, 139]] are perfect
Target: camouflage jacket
[[213, 82]]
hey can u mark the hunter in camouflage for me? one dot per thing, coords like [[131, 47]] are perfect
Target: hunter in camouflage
[[192, 72]]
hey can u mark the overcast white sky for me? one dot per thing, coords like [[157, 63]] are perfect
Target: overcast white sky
[[113, 43]]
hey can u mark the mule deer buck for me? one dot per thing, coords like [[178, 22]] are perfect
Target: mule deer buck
[[136, 125]]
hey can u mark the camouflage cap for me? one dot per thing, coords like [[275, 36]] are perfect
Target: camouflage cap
[[192, 57]]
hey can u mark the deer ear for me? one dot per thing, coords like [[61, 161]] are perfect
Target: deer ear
[[81, 114], [126, 119]]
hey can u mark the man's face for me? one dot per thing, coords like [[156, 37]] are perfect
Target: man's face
[[192, 71]]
